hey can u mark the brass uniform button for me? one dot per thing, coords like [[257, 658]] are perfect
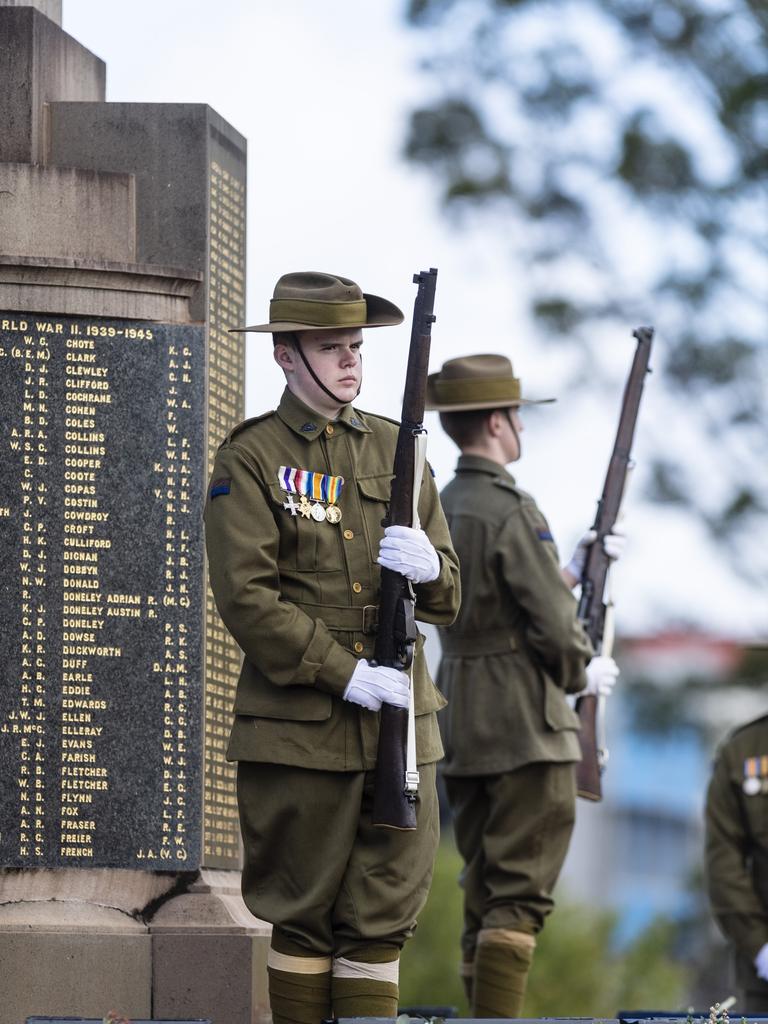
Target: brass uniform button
[[357, 587], [348, 534], [358, 647], [329, 429]]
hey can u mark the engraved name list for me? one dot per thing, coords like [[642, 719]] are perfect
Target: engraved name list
[[101, 638]]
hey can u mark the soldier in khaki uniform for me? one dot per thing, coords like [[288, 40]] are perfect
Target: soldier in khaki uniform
[[295, 543], [737, 856], [514, 652]]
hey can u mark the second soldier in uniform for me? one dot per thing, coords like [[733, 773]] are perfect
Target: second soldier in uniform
[[294, 535], [515, 651]]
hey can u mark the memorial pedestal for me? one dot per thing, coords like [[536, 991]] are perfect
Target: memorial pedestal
[[209, 954], [73, 942], [70, 943]]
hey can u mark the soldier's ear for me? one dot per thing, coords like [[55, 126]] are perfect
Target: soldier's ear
[[495, 423], [285, 357]]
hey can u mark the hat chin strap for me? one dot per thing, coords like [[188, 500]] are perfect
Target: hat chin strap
[[508, 414], [316, 379]]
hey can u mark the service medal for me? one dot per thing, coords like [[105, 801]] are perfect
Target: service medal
[[755, 772], [314, 486]]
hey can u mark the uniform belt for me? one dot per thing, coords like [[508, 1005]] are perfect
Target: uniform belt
[[344, 619], [490, 641]]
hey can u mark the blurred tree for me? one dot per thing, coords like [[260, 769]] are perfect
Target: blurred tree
[[620, 145], [576, 971]]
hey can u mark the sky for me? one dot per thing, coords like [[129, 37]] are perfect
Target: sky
[[321, 91]]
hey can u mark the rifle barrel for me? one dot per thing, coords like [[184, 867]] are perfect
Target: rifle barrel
[[592, 603], [394, 802]]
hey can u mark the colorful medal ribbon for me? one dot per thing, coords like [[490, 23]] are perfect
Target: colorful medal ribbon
[[318, 486]]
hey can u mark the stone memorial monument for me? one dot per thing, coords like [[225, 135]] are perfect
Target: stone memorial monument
[[122, 264]]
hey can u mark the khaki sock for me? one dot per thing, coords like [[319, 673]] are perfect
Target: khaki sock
[[363, 998], [502, 962], [361, 989], [300, 994], [467, 974]]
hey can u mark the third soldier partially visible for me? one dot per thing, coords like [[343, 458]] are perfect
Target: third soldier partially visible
[[515, 650], [737, 856]]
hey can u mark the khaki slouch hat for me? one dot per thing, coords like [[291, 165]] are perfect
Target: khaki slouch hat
[[476, 382], [310, 300]]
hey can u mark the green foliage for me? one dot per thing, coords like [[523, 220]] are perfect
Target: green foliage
[[608, 130], [429, 968], [575, 970], [653, 166]]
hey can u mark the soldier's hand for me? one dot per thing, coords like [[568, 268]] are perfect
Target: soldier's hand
[[578, 559], [602, 674], [374, 685], [761, 963], [614, 544], [409, 552]]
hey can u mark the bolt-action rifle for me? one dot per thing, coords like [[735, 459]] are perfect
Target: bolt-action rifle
[[595, 611], [396, 780]]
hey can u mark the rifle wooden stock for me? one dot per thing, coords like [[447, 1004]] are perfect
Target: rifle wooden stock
[[593, 580], [588, 770], [393, 805]]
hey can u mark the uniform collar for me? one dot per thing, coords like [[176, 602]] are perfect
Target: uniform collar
[[478, 464], [309, 424]]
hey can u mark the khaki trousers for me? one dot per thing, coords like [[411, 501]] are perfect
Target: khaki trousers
[[512, 831], [317, 868], [753, 990]]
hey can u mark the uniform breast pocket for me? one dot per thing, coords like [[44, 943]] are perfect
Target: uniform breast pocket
[[374, 498], [305, 544]]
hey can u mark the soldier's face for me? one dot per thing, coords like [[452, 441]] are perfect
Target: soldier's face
[[511, 437], [335, 358]]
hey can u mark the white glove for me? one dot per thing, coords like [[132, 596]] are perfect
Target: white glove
[[410, 553], [602, 674], [613, 545], [374, 685], [615, 542], [761, 963]]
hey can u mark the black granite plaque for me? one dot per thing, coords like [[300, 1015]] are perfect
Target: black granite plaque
[[102, 433]]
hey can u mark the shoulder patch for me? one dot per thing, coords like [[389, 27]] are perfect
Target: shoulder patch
[[544, 535], [246, 423], [221, 486]]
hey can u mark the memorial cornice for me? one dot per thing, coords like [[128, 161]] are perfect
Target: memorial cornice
[[54, 284]]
